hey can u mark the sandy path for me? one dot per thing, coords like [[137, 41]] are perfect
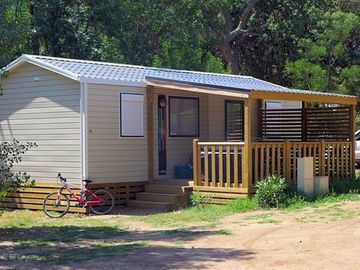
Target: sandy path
[[256, 240], [320, 243]]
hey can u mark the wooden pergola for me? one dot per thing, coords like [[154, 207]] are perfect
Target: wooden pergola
[[234, 167]]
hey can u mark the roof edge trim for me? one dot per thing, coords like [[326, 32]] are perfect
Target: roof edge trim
[[112, 82], [29, 59], [159, 79]]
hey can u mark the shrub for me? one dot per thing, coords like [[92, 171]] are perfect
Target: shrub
[[345, 186], [271, 192], [200, 199], [11, 154]]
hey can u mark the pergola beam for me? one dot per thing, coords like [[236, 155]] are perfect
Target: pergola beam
[[335, 99]]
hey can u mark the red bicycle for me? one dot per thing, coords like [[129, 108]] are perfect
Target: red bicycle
[[57, 204]]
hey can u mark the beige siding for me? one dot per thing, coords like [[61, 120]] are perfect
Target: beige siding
[[43, 107], [113, 158], [116, 159], [179, 150]]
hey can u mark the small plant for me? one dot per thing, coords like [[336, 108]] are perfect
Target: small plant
[[345, 186], [11, 154], [271, 192], [200, 199]]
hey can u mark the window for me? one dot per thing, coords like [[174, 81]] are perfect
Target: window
[[131, 115], [234, 120], [184, 117], [357, 136]]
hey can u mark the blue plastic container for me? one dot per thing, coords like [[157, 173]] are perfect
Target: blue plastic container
[[183, 171]]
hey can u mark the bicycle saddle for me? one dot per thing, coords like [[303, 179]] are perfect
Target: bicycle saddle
[[88, 181]]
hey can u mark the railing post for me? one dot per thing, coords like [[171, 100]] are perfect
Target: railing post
[[195, 162], [352, 139], [286, 165], [247, 148], [322, 158]]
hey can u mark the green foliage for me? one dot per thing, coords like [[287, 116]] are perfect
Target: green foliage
[[242, 205], [270, 191], [200, 199], [318, 39], [326, 57], [307, 75], [350, 77], [345, 186], [10, 154]]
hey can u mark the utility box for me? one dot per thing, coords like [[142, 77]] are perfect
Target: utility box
[[305, 174], [321, 184]]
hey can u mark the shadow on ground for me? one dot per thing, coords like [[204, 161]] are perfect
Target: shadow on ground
[[69, 245]]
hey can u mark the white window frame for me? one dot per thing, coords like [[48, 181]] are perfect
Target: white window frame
[[126, 134]]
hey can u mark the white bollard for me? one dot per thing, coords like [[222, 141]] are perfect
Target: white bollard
[[305, 174], [321, 184]]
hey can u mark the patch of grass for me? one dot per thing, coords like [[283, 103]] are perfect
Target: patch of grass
[[345, 186], [180, 243], [269, 221], [210, 214], [31, 236], [182, 218], [300, 201], [242, 205], [74, 254], [225, 232]]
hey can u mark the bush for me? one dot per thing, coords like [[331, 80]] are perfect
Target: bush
[[345, 186], [199, 199], [11, 154], [271, 192]]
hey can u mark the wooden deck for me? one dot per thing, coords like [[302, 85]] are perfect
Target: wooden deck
[[32, 198], [218, 166]]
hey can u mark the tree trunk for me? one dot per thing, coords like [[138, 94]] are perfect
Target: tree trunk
[[35, 43], [238, 34], [229, 57]]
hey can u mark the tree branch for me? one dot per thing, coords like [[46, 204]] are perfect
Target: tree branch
[[244, 18]]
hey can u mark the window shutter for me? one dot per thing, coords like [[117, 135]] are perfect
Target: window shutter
[[234, 121], [132, 115]]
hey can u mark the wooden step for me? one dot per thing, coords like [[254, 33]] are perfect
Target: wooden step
[[175, 182], [166, 206], [172, 189], [162, 197]]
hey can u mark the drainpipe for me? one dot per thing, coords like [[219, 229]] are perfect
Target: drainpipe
[[84, 130]]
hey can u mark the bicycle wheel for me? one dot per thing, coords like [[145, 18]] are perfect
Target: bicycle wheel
[[106, 206], [56, 205]]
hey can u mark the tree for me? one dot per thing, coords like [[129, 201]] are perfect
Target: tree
[[326, 59], [11, 154]]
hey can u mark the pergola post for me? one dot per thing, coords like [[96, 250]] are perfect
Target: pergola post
[[247, 148], [352, 138], [150, 132]]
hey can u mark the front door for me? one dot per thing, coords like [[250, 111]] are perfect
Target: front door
[[162, 133]]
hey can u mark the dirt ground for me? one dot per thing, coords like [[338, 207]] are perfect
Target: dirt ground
[[327, 237]]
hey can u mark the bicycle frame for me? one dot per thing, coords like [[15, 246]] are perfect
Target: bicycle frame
[[79, 198]]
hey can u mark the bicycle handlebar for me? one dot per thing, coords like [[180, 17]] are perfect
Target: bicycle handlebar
[[62, 179]]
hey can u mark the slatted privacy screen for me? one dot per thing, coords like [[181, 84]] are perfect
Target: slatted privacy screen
[[332, 124], [306, 124], [333, 159], [281, 124]]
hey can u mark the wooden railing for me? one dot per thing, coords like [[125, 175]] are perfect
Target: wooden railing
[[333, 159], [218, 164]]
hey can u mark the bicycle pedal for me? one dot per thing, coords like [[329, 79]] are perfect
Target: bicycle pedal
[[79, 205]]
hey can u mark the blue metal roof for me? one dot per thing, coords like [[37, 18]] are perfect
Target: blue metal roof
[[113, 73], [130, 73]]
